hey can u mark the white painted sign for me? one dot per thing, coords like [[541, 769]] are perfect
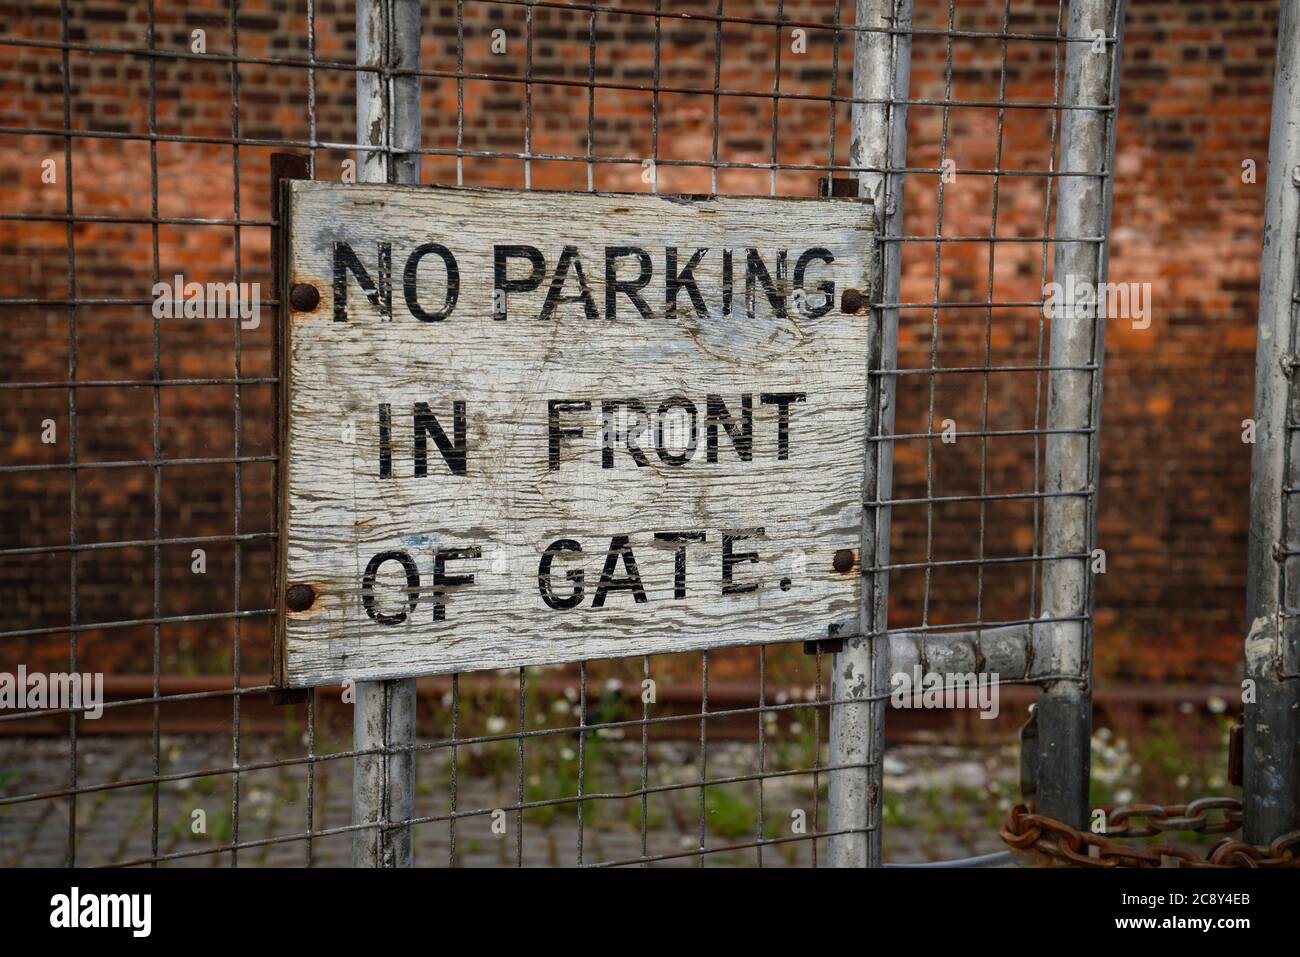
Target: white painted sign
[[530, 428]]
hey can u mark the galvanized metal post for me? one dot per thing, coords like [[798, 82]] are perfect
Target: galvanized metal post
[[383, 720], [1063, 641], [882, 60], [1271, 770]]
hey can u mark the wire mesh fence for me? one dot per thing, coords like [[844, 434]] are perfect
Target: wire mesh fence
[[138, 541]]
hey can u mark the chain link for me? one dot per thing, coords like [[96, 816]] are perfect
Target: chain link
[[1045, 840]]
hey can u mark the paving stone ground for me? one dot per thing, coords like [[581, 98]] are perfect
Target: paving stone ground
[[942, 802]]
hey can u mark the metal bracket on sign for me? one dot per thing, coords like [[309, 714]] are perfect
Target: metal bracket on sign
[[833, 642], [283, 696], [842, 186]]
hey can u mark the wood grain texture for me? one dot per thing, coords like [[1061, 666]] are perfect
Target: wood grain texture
[[510, 503]]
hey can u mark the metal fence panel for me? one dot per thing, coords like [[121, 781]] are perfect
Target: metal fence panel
[[693, 97]]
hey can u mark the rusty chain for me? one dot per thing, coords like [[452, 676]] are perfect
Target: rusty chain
[[1048, 841]]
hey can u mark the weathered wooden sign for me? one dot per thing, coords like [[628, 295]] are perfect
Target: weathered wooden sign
[[522, 428]]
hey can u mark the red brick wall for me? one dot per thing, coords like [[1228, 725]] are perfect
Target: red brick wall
[[1195, 102]]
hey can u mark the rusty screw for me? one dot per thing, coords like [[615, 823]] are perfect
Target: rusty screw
[[843, 560], [851, 301], [300, 597], [304, 296]]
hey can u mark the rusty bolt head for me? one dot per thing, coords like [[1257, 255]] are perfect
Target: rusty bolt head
[[299, 597], [843, 560], [304, 296], [851, 301]]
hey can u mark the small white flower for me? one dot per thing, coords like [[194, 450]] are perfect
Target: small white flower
[[1123, 796], [894, 766], [1182, 780], [613, 685], [496, 724], [1186, 707], [795, 727], [1216, 704], [567, 754], [561, 706], [782, 697]]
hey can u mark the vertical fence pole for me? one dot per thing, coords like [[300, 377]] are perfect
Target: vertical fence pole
[[388, 116], [878, 142], [1272, 723], [1064, 641]]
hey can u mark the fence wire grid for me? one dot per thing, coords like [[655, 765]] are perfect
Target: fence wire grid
[[140, 135]]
